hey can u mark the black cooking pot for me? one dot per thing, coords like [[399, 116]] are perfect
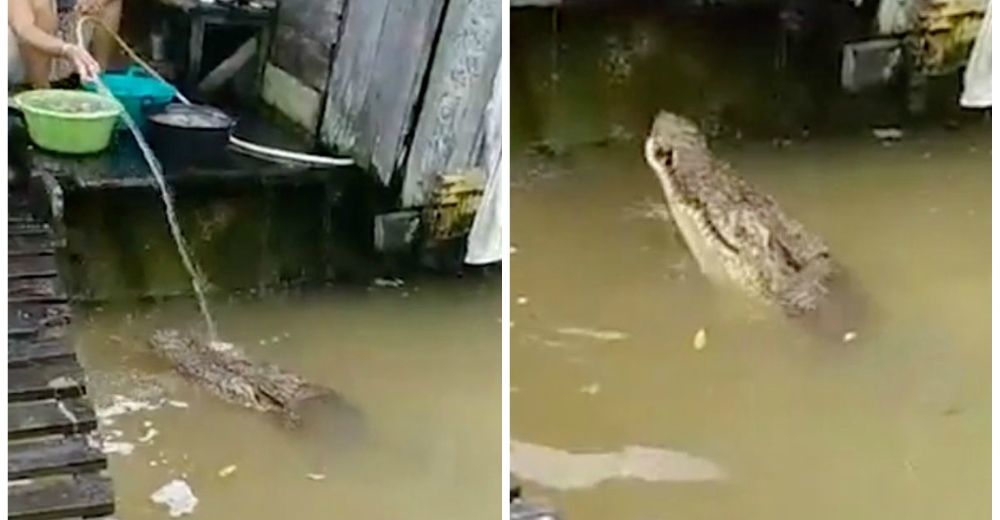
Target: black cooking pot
[[185, 136]]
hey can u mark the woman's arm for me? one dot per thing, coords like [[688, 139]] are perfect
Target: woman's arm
[[21, 20]]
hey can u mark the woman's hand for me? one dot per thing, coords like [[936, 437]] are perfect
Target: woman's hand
[[89, 7], [85, 64]]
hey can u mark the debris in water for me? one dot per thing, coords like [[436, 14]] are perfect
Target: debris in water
[[66, 413], [177, 496], [149, 435], [700, 339], [178, 404], [119, 448], [147, 424], [316, 476], [887, 134], [389, 283], [228, 470], [122, 405], [603, 335], [220, 346], [513, 250], [850, 336], [522, 300], [62, 382], [558, 469], [591, 389]]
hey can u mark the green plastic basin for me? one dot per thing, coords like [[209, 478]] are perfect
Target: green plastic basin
[[69, 121]]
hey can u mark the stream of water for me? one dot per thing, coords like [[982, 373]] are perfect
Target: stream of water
[[190, 264]]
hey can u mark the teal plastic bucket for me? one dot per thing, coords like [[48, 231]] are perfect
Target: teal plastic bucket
[[137, 91]]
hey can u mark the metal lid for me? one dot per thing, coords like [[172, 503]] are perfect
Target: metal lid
[[200, 117]]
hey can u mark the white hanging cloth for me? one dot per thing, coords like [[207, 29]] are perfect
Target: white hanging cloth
[[976, 91], [485, 241]]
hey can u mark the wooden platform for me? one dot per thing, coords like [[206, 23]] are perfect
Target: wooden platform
[[53, 469]]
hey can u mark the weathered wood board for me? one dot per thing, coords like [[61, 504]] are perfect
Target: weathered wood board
[[375, 80], [50, 417], [54, 471], [48, 380], [38, 289], [31, 266], [38, 320], [22, 353], [450, 126], [306, 32], [51, 456], [85, 496], [34, 244]]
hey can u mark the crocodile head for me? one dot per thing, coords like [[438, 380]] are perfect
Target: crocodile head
[[675, 149], [736, 234], [678, 154]]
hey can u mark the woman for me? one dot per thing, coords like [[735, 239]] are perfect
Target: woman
[[33, 40]]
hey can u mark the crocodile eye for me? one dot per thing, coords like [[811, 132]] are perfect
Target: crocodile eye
[[663, 155]]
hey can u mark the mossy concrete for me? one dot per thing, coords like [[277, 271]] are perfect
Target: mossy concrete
[[587, 75], [244, 235]]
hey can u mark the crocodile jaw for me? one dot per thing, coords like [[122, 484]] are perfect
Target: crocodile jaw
[[692, 224]]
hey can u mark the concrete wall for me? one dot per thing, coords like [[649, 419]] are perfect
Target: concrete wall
[[246, 235]]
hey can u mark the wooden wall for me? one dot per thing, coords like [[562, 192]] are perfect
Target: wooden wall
[[306, 32], [376, 77], [452, 124], [406, 83]]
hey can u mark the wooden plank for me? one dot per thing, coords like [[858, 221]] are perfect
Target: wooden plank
[[451, 121], [42, 321], [403, 63], [375, 80], [28, 227], [42, 290], [225, 71], [31, 266], [67, 416], [61, 378], [71, 454], [351, 74], [22, 353], [306, 33], [30, 245], [86, 495]]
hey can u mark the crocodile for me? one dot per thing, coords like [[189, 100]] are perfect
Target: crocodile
[[740, 236], [226, 371]]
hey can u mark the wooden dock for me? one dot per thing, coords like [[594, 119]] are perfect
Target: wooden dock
[[54, 470]]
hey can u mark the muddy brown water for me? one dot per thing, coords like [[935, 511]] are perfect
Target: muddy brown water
[[615, 412], [420, 362]]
